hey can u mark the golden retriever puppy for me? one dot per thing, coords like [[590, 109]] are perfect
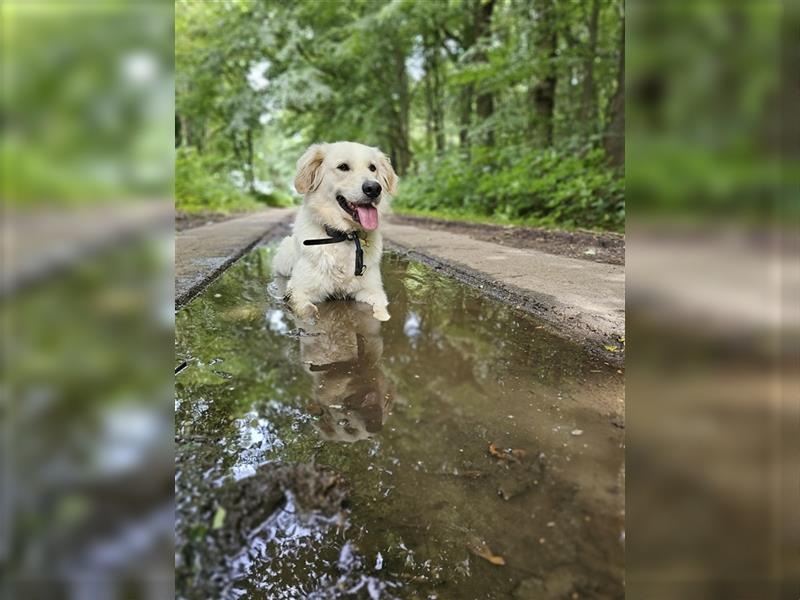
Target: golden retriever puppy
[[335, 247]]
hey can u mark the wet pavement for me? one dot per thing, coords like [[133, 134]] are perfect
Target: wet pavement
[[582, 300], [457, 451]]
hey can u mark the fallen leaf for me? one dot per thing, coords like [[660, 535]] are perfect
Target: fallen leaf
[[514, 454], [495, 452], [219, 518], [611, 348], [482, 550]]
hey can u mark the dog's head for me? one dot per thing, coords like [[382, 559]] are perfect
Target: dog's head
[[345, 184]]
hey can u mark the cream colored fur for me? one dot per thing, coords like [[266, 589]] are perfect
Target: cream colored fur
[[316, 273]]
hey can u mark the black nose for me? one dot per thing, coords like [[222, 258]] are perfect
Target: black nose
[[372, 189]]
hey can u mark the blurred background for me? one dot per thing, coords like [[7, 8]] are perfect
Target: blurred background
[[508, 111], [86, 458], [713, 310]]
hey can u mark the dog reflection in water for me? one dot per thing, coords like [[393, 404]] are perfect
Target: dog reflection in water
[[342, 351]]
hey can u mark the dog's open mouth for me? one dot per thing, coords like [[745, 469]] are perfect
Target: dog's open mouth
[[364, 214]]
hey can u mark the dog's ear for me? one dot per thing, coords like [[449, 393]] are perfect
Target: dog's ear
[[386, 174], [309, 175]]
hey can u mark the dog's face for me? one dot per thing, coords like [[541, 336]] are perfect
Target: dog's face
[[346, 184]]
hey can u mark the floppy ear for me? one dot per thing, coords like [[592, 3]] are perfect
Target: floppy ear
[[386, 174], [308, 175]]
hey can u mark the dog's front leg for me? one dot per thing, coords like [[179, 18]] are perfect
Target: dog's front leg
[[300, 303], [373, 294]]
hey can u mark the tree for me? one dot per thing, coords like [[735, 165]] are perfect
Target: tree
[[432, 50], [615, 131], [484, 105], [543, 93], [589, 95], [459, 94]]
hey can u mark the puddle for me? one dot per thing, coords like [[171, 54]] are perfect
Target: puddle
[[87, 463], [352, 458]]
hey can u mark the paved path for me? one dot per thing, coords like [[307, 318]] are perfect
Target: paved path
[[582, 299], [39, 243], [204, 252]]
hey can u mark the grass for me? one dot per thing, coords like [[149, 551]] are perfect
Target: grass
[[450, 215], [232, 202], [228, 206]]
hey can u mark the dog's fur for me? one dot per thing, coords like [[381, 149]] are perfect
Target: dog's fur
[[316, 273]]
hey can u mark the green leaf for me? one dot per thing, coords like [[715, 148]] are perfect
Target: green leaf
[[219, 518]]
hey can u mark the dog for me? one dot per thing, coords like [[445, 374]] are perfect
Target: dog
[[335, 247]]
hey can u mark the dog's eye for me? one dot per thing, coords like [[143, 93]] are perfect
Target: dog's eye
[[343, 167], [372, 168]]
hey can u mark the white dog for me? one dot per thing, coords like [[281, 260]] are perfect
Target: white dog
[[335, 247]]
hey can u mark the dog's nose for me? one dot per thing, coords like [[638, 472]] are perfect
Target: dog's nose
[[372, 189]]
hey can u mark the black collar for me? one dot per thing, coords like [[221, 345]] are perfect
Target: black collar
[[337, 236]]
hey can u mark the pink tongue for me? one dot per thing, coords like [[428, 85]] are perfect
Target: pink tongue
[[368, 217]]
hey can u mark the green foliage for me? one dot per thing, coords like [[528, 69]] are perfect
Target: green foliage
[[707, 142], [201, 185], [491, 108], [32, 177], [85, 105], [542, 187]]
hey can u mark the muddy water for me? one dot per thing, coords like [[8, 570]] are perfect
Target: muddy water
[[351, 458]]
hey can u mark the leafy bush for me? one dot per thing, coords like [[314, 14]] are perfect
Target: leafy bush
[[542, 187], [201, 184]]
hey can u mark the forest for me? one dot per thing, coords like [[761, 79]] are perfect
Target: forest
[[508, 111]]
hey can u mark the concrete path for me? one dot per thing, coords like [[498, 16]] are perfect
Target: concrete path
[[582, 299], [204, 252], [41, 242]]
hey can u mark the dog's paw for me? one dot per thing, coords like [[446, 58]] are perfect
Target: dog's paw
[[380, 313], [307, 312]]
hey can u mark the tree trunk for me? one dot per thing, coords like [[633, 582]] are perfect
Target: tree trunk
[[589, 94], [251, 176], [434, 123], [614, 142], [484, 105], [402, 114], [468, 90], [199, 141], [436, 93], [427, 87], [237, 149], [179, 131], [465, 117], [543, 93]]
